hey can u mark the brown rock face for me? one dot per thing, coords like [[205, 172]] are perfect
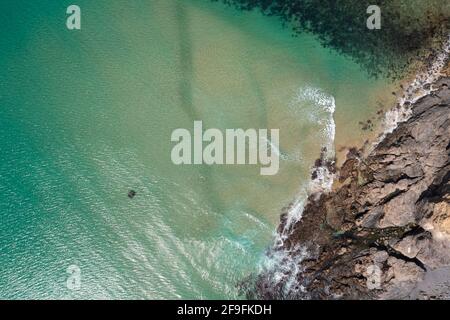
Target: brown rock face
[[386, 230]]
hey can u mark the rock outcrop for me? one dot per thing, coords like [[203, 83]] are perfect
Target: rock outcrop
[[385, 231]]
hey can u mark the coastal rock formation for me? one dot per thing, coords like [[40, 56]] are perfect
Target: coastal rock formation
[[384, 231], [131, 194]]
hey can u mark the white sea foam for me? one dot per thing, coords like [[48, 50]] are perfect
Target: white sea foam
[[418, 88], [282, 266], [293, 215], [319, 108]]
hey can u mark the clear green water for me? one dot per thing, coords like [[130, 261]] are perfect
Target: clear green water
[[87, 115]]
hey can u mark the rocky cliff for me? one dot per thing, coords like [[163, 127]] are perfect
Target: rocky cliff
[[384, 232]]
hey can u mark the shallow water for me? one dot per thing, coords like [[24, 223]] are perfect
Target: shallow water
[[87, 115]]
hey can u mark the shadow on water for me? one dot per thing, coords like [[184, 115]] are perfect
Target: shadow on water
[[186, 63], [259, 93], [186, 100]]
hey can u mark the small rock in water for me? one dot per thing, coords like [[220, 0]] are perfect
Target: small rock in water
[[131, 194]]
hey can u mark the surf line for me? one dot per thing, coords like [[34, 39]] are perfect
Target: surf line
[[234, 146]]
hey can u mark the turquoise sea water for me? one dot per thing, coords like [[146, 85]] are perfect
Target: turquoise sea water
[[87, 115]]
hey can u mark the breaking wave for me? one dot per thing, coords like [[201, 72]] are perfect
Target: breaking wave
[[418, 88], [282, 264], [319, 107]]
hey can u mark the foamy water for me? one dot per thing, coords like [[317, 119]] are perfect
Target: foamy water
[[418, 88], [86, 119], [281, 267], [319, 107]]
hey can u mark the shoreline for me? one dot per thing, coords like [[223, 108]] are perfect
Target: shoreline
[[415, 85], [389, 214], [296, 249]]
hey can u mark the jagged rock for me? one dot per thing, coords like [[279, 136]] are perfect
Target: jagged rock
[[390, 213], [131, 194]]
